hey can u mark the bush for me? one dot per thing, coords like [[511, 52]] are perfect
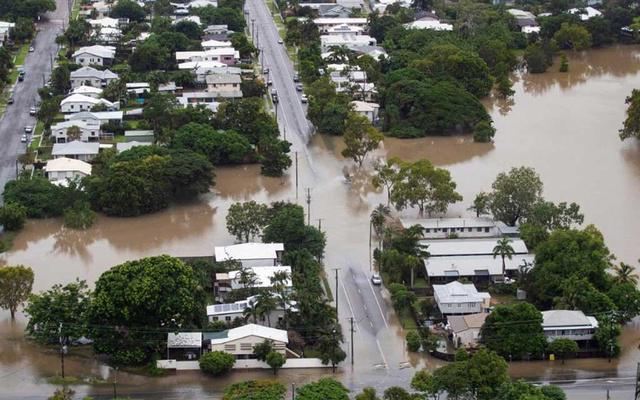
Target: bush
[[255, 390], [563, 347], [483, 132], [413, 341], [217, 362], [40, 197], [80, 216], [275, 360], [12, 216]]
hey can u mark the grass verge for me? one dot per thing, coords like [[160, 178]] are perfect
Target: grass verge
[[327, 288]]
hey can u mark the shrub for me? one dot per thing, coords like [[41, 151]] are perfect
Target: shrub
[[80, 216], [217, 362], [413, 341], [275, 360], [12, 216]]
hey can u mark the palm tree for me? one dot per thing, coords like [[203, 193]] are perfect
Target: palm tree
[[279, 285], [252, 311], [378, 217], [625, 273], [247, 278], [503, 249], [266, 304]]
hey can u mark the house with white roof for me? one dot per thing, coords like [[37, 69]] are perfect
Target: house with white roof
[[184, 345], [585, 13], [102, 8], [88, 76], [465, 329], [107, 35], [96, 54], [5, 29], [106, 22], [344, 29], [124, 146], [369, 110], [229, 281], [568, 324], [61, 170], [224, 85], [429, 23], [228, 312], [99, 117], [90, 91], [188, 18], [346, 39], [470, 247], [460, 298], [202, 3], [138, 88], [240, 341], [215, 44], [89, 131], [79, 102], [76, 149], [251, 254], [225, 55], [443, 228], [325, 24]]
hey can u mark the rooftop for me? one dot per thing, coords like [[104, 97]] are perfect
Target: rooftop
[[432, 223], [184, 340], [90, 72], [86, 90], [223, 79], [340, 21], [98, 50], [95, 115], [429, 24], [460, 323], [75, 148], [63, 164], [262, 274], [456, 266], [124, 146], [554, 319], [363, 106], [470, 247], [456, 292], [248, 251], [252, 330]]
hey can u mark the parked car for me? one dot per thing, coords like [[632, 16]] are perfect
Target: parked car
[[33, 111], [20, 76], [299, 87], [304, 98], [10, 101], [274, 95], [23, 138], [269, 82], [31, 49], [280, 41], [296, 78], [28, 129], [375, 279], [265, 70]]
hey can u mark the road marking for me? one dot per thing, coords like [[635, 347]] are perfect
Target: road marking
[[359, 291], [364, 305], [384, 359], [348, 302], [378, 304], [371, 323]]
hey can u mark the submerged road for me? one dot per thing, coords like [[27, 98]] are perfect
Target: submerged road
[[37, 67]]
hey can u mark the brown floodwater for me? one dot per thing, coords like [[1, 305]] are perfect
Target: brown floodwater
[[563, 124]]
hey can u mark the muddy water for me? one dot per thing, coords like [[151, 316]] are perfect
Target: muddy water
[[564, 125]]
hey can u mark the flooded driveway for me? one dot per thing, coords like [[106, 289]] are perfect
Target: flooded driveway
[[563, 125]]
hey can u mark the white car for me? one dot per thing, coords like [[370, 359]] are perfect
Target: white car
[[375, 279], [304, 98], [31, 49], [280, 41], [23, 138], [28, 129]]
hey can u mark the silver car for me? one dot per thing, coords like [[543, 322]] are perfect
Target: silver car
[[376, 279]]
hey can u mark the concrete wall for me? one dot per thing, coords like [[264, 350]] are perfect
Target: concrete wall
[[291, 363]]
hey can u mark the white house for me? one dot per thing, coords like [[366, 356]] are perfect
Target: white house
[[138, 88], [5, 29], [225, 85], [98, 117], [475, 268], [443, 228], [90, 91], [251, 254], [229, 281], [460, 298], [347, 39], [432, 24], [585, 13], [240, 341], [465, 329], [96, 54], [228, 312], [184, 345], [215, 44], [325, 24], [61, 170], [188, 18], [88, 76], [369, 110], [568, 324], [124, 146], [89, 131], [470, 247], [79, 102], [202, 3], [104, 22], [77, 150], [344, 29], [225, 55]]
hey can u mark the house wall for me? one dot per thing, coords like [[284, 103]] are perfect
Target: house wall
[[81, 157], [466, 337], [244, 364], [62, 175], [75, 107], [95, 82], [459, 308], [259, 262], [244, 346], [274, 317], [444, 232], [87, 135], [573, 334], [223, 87], [86, 59]]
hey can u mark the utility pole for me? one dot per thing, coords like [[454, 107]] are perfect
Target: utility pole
[[293, 391], [296, 176], [308, 206], [370, 265], [637, 397], [336, 293], [352, 331], [276, 105], [63, 349], [611, 337], [333, 335], [253, 39], [115, 383], [320, 224]]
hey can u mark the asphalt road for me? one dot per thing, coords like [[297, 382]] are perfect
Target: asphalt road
[[38, 68]]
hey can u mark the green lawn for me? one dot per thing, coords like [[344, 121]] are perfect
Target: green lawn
[[407, 321], [21, 55]]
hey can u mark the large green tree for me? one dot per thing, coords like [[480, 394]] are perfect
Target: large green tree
[[515, 194], [360, 137], [40, 197], [255, 390], [15, 286], [220, 147], [216, 362], [514, 330], [13, 216], [286, 224], [246, 220], [60, 312], [631, 126], [132, 300], [323, 389]]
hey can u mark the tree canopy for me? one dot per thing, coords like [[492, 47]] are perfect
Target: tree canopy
[[15, 287]]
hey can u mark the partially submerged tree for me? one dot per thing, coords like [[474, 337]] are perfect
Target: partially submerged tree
[[15, 287]]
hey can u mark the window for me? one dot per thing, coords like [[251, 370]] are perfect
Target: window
[[469, 229], [214, 318], [486, 230], [227, 318], [444, 230], [246, 346], [229, 347], [427, 230], [479, 229], [459, 305]]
